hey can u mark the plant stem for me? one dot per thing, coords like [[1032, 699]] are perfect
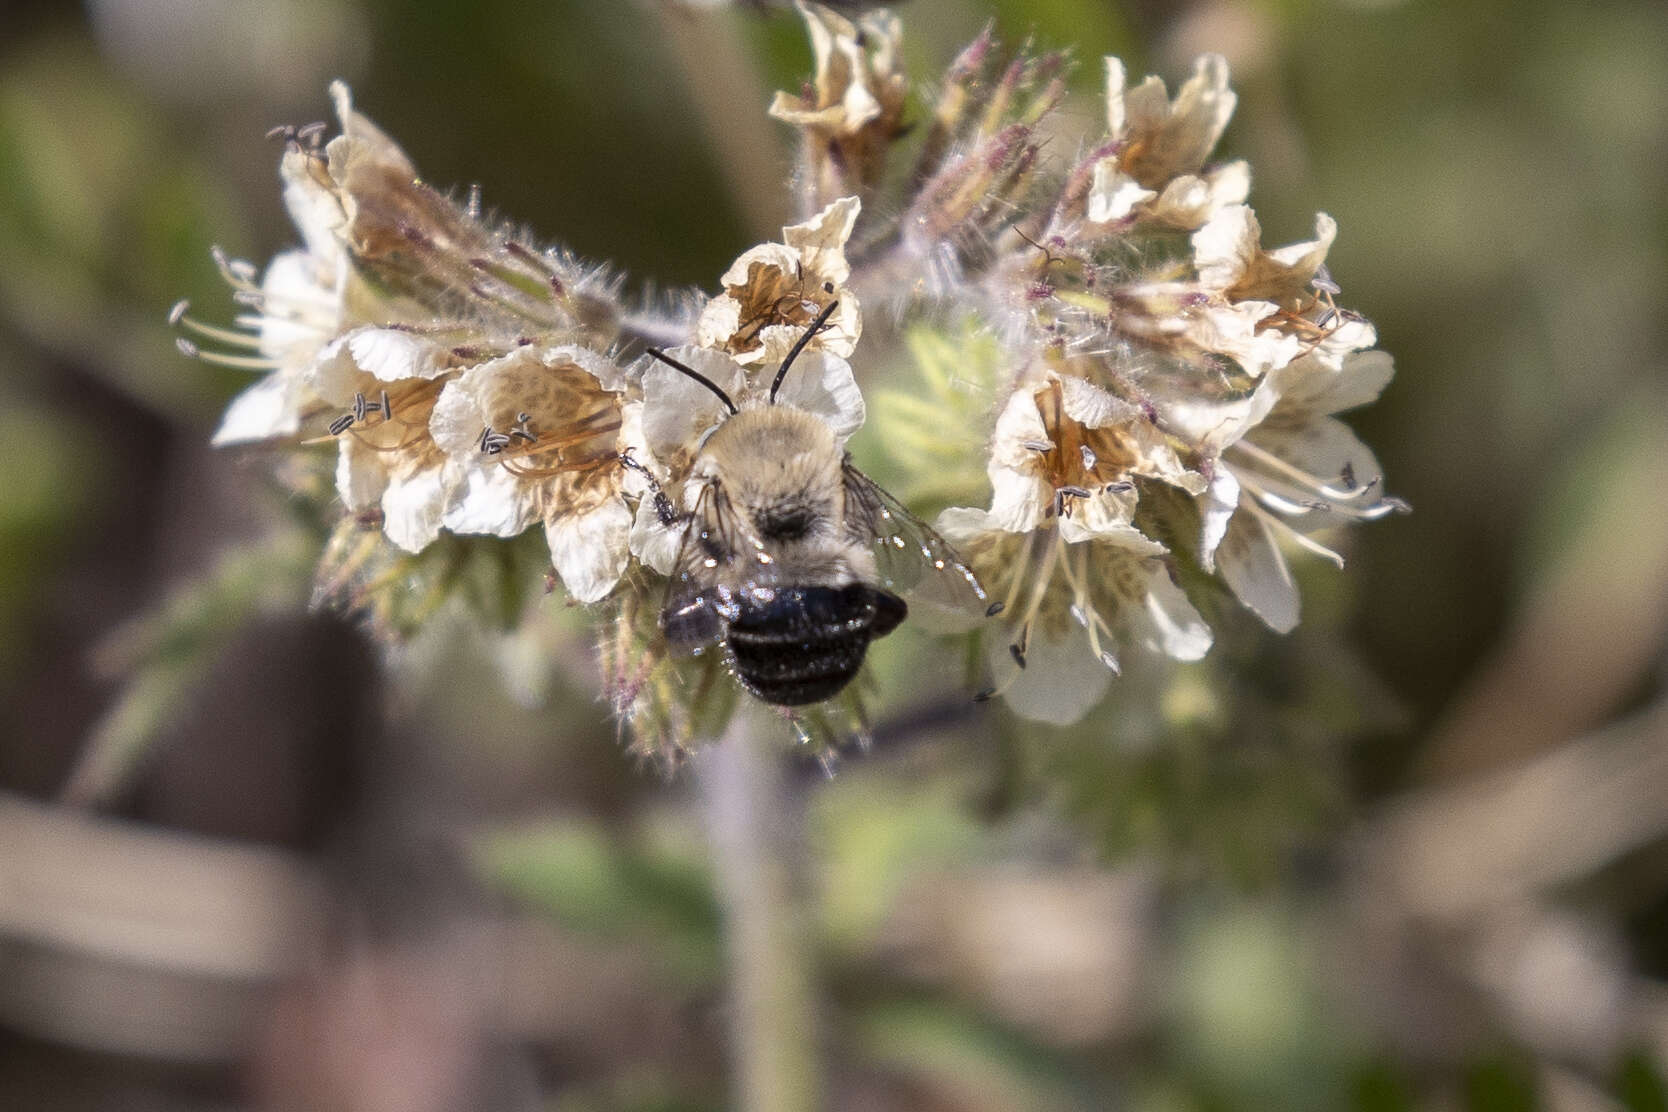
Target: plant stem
[[755, 823]]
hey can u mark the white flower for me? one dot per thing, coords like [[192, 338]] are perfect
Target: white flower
[[383, 383], [1157, 173], [308, 296], [1189, 321], [854, 110], [1073, 598], [1066, 447], [772, 292], [533, 437], [1229, 255], [1059, 550], [300, 302], [1289, 468]]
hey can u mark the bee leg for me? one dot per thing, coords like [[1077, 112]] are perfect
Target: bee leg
[[662, 504]]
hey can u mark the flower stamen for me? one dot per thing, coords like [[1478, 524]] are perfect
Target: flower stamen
[[1302, 540], [1350, 491]]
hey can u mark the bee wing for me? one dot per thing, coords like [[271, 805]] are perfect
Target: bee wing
[[910, 557]]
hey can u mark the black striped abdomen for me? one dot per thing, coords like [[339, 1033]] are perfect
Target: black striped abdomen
[[797, 645]]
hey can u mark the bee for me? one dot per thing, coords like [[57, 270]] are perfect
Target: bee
[[791, 558]]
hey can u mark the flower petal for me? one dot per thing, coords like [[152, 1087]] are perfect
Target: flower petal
[[654, 542], [1113, 194], [961, 524], [392, 354], [1229, 254], [455, 424], [300, 308], [677, 410], [822, 384], [1253, 567], [1311, 386], [269, 408], [766, 256], [491, 500], [1060, 683], [361, 140], [719, 321], [1216, 509], [361, 478], [385, 354], [590, 550], [1169, 624], [414, 506], [821, 241]]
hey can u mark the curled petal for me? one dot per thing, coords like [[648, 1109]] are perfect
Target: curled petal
[[720, 320], [1113, 194], [773, 291], [1216, 510], [385, 354], [313, 204], [1230, 258], [821, 241], [778, 257]]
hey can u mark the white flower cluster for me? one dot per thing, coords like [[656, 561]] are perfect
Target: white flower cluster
[[1165, 410], [462, 375], [1170, 384]]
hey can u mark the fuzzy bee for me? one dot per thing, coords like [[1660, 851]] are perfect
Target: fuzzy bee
[[789, 557]]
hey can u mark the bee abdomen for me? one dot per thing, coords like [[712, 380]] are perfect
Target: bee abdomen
[[797, 645]]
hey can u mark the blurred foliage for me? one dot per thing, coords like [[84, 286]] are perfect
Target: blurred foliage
[[1496, 172]]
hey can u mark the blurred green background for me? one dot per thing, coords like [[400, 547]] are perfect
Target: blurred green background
[[1413, 856]]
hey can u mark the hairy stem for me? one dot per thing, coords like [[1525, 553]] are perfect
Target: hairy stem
[[755, 823]]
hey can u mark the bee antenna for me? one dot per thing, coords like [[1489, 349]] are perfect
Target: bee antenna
[[799, 346], [697, 376]]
